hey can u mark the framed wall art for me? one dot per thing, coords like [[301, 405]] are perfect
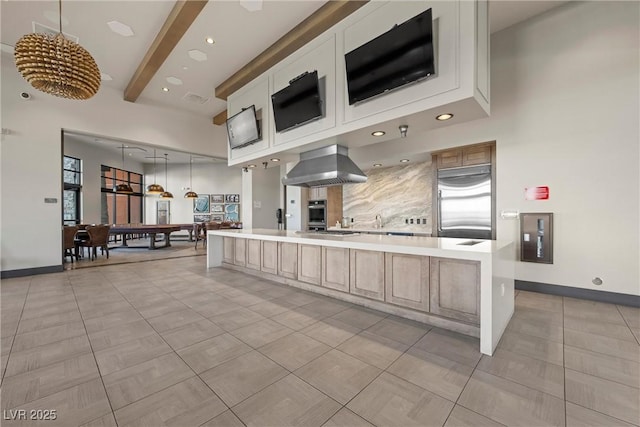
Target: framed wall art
[[217, 198], [232, 198], [217, 208], [202, 218], [201, 204], [232, 212]]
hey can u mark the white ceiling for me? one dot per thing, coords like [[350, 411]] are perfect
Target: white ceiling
[[239, 36]]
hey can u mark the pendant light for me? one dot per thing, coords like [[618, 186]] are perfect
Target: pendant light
[[190, 194], [123, 188], [154, 188], [165, 194], [56, 65]]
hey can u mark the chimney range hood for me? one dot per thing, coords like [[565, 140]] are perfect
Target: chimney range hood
[[324, 167]]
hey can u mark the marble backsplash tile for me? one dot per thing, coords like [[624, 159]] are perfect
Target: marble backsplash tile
[[397, 193]]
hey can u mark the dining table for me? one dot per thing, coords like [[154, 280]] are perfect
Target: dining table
[[150, 229]]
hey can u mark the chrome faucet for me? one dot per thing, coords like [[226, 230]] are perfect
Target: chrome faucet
[[378, 221]]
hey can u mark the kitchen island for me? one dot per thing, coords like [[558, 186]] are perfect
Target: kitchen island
[[458, 284]]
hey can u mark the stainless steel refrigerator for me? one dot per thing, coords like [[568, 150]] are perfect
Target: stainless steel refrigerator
[[464, 202]]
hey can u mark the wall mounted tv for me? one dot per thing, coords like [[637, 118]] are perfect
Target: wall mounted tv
[[298, 103], [402, 55], [243, 128]]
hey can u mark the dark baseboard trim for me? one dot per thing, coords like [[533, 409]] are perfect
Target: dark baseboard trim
[[568, 291], [31, 271]]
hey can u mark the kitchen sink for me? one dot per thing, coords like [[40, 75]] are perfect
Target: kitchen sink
[[471, 242]]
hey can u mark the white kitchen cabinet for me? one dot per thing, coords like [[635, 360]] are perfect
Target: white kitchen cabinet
[[240, 252]]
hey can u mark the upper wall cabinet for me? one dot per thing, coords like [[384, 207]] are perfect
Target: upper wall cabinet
[[446, 51], [323, 60], [255, 93], [459, 85]]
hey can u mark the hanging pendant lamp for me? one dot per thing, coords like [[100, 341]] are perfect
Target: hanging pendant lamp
[[154, 188], [166, 194], [123, 188], [57, 66], [190, 194]]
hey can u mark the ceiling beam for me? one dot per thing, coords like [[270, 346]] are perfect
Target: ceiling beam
[[220, 118], [182, 15], [321, 20]]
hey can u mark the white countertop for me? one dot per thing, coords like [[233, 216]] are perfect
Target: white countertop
[[415, 245], [415, 230]]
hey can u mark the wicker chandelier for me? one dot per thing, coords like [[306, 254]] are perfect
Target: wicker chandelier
[[55, 65]]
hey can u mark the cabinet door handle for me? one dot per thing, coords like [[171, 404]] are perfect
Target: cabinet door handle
[[440, 210]]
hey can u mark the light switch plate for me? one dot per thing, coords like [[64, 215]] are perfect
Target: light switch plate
[[50, 200]]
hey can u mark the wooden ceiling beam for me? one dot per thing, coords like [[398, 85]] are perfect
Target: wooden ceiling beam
[[321, 20], [220, 118], [182, 15]]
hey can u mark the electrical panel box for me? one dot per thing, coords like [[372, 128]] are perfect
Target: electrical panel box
[[536, 237]]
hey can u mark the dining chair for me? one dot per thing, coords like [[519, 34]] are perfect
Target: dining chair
[[69, 242], [98, 238]]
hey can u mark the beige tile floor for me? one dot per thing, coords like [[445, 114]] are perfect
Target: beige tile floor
[[168, 343]]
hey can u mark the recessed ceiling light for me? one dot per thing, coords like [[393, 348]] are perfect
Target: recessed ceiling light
[[197, 55], [251, 166], [445, 116], [377, 165], [120, 28], [105, 77], [165, 89], [275, 159], [184, 67], [174, 80], [378, 133], [251, 5], [404, 160], [210, 40]]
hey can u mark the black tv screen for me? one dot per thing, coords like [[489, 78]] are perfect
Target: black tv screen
[[402, 55], [243, 128], [297, 103]]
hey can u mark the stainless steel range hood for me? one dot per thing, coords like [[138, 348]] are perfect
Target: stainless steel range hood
[[324, 167]]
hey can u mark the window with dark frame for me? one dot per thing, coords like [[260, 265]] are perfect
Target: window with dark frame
[[72, 189], [120, 208]]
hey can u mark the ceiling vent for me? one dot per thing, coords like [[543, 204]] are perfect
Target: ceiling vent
[[195, 98], [43, 29]]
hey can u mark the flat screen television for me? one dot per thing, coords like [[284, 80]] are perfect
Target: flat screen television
[[243, 128], [298, 103], [402, 55]]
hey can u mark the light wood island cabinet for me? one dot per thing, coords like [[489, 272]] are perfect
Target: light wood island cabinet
[[240, 252], [455, 289], [254, 254], [228, 253], [407, 280], [269, 257], [367, 273], [335, 268], [288, 260], [309, 263]]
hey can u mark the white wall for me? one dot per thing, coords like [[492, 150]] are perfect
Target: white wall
[[31, 156], [208, 178], [565, 113], [266, 197]]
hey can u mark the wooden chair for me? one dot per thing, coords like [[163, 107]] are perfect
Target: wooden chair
[[98, 238], [199, 233], [69, 242]]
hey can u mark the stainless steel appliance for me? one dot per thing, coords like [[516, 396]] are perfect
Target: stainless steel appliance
[[317, 215], [324, 167], [464, 202]]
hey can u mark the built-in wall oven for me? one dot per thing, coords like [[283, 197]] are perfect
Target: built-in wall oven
[[317, 215]]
